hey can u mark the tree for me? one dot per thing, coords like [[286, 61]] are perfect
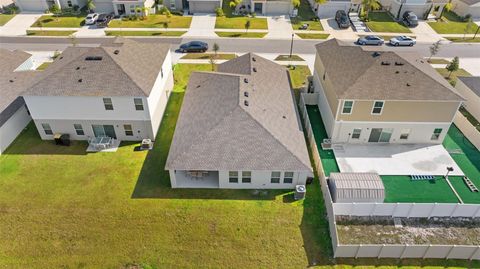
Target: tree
[[212, 62], [370, 5], [145, 11], [90, 5], [453, 66], [434, 48], [296, 3], [247, 26], [165, 25], [215, 49], [468, 27], [234, 3], [73, 40], [448, 6]]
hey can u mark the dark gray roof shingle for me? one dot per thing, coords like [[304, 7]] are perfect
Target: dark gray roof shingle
[[473, 83]]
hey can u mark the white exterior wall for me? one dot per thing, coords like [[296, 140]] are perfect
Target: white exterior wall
[[329, 9], [10, 129], [103, 6], [463, 9], [419, 7], [261, 180], [32, 5], [323, 105]]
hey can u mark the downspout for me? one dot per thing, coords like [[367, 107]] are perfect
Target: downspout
[[400, 9]]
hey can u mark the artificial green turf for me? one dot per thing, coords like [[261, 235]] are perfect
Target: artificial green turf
[[401, 189], [327, 157]]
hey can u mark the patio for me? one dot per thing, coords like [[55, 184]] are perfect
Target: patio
[[102, 144], [197, 179], [391, 159]]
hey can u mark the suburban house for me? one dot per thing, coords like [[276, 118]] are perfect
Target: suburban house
[[193, 6], [123, 7], [329, 8], [239, 128], [118, 90], [381, 96], [268, 7], [469, 87], [464, 7], [16, 75], [42, 5]]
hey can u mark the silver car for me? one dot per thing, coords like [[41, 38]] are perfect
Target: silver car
[[91, 18], [402, 41], [370, 40]]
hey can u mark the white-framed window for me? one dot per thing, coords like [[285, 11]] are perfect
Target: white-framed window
[[275, 177], [404, 134], [69, 4], [347, 107], [246, 177], [356, 133], [78, 129], [172, 4], [47, 129], [138, 103], [436, 133], [233, 176], [132, 9], [288, 178], [128, 129], [107, 102], [377, 107]]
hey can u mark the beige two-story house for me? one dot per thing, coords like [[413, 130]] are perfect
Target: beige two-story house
[[371, 96]]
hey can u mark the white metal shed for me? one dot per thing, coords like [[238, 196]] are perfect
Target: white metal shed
[[356, 187]]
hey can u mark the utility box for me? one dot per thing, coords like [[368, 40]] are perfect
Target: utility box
[[300, 191]]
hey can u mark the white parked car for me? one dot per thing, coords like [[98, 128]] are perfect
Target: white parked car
[[91, 18], [402, 41]]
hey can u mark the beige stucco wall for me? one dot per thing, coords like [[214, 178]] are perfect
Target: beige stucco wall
[[473, 101], [327, 85]]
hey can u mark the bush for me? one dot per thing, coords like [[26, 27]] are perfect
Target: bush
[[76, 8], [219, 12], [254, 14], [177, 12], [467, 17]]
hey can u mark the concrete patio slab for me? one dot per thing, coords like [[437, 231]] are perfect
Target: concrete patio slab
[[389, 159]]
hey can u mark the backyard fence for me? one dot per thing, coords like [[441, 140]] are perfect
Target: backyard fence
[[467, 129]]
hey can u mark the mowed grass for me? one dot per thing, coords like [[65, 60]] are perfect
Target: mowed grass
[[4, 18], [451, 23], [60, 21], [384, 23], [154, 21], [206, 56], [464, 40], [49, 33], [306, 16], [145, 33], [241, 34], [231, 21], [453, 77], [312, 36]]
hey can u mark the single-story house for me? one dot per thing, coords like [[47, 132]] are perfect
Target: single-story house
[[464, 7], [239, 128], [268, 7], [469, 87], [118, 90], [193, 6], [123, 7], [329, 8], [42, 5]]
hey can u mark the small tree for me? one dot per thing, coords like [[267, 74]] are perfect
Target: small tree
[[215, 49], [90, 5], [212, 62], [165, 25], [370, 5], [453, 66], [73, 40], [448, 6], [247, 26], [296, 3], [434, 48], [55, 9], [468, 27]]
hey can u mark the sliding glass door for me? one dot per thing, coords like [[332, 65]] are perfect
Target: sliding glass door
[[380, 135], [104, 130]]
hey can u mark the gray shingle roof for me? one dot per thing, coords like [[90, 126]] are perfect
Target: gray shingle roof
[[471, 2], [217, 131], [357, 74], [130, 72], [12, 84], [473, 83]]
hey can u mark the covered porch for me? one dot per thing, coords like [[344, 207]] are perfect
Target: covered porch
[[195, 179]]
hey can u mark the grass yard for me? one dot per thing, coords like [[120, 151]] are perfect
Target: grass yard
[[453, 78], [451, 23], [154, 21], [438, 61], [231, 21], [241, 34], [288, 58], [298, 75], [384, 23], [145, 33], [43, 66], [49, 33], [312, 36], [464, 40], [306, 15], [60, 21], [206, 56], [4, 18]]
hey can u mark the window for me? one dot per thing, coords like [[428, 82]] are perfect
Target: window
[[107, 102], [356, 133], [436, 133], [47, 129], [246, 177], [347, 107], [404, 134], [138, 103], [69, 4], [275, 177], [233, 177], [128, 129], [132, 8], [288, 178], [377, 107], [79, 129]]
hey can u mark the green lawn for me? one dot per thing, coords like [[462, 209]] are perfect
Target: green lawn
[[464, 40], [306, 15], [241, 34], [438, 61], [60, 21], [450, 23], [154, 21], [43, 66], [49, 33], [230, 21], [206, 56], [453, 77], [312, 36], [400, 189], [144, 33], [298, 75], [4, 18], [284, 57], [383, 22]]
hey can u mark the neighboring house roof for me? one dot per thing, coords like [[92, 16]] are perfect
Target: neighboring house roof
[[473, 83], [217, 130], [362, 74], [471, 2], [124, 68], [12, 83]]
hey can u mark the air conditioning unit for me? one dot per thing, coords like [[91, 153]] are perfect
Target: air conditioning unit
[[147, 144]]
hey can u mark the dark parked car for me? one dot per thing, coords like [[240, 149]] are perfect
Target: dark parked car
[[410, 19], [342, 19], [370, 40], [194, 46], [103, 20]]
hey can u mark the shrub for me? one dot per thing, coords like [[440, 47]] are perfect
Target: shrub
[[467, 17], [219, 12], [254, 14], [177, 12], [76, 8]]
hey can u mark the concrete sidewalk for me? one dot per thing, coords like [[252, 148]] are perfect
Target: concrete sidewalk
[[19, 24]]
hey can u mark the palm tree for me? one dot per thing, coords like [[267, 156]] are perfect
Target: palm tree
[[370, 5], [90, 5]]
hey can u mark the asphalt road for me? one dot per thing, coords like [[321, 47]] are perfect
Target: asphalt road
[[229, 45]]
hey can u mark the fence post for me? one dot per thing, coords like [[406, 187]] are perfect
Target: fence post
[[449, 252], [426, 251], [404, 250], [475, 252], [410, 210], [431, 211]]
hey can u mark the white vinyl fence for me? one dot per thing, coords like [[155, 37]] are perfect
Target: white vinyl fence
[[467, 129]]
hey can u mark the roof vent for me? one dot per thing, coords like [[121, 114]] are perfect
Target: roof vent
[[398, 63], [61, 57], [376, 54], [284, 117], [253, 59], [396, 72], [254, 69], [80, 80], [245, 80], [408, 84], [245, 103], [385, 63], [11, 81], [116, 52], [93, 58], [245, 94], [78, 68]]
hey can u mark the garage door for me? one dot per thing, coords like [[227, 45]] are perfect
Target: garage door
[[277, 7], [203, 6], [329, 9], [32, 5], [104, 7]]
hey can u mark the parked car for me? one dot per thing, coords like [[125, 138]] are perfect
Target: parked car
[[342, 19], [370, 40], [410, 19], [402, 41], [103, 20], [91, 18], [194, 46]]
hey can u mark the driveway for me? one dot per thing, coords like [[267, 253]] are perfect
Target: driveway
[[279, 27], [19, 24], [203, 25], [425, 33], [90, 31]]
